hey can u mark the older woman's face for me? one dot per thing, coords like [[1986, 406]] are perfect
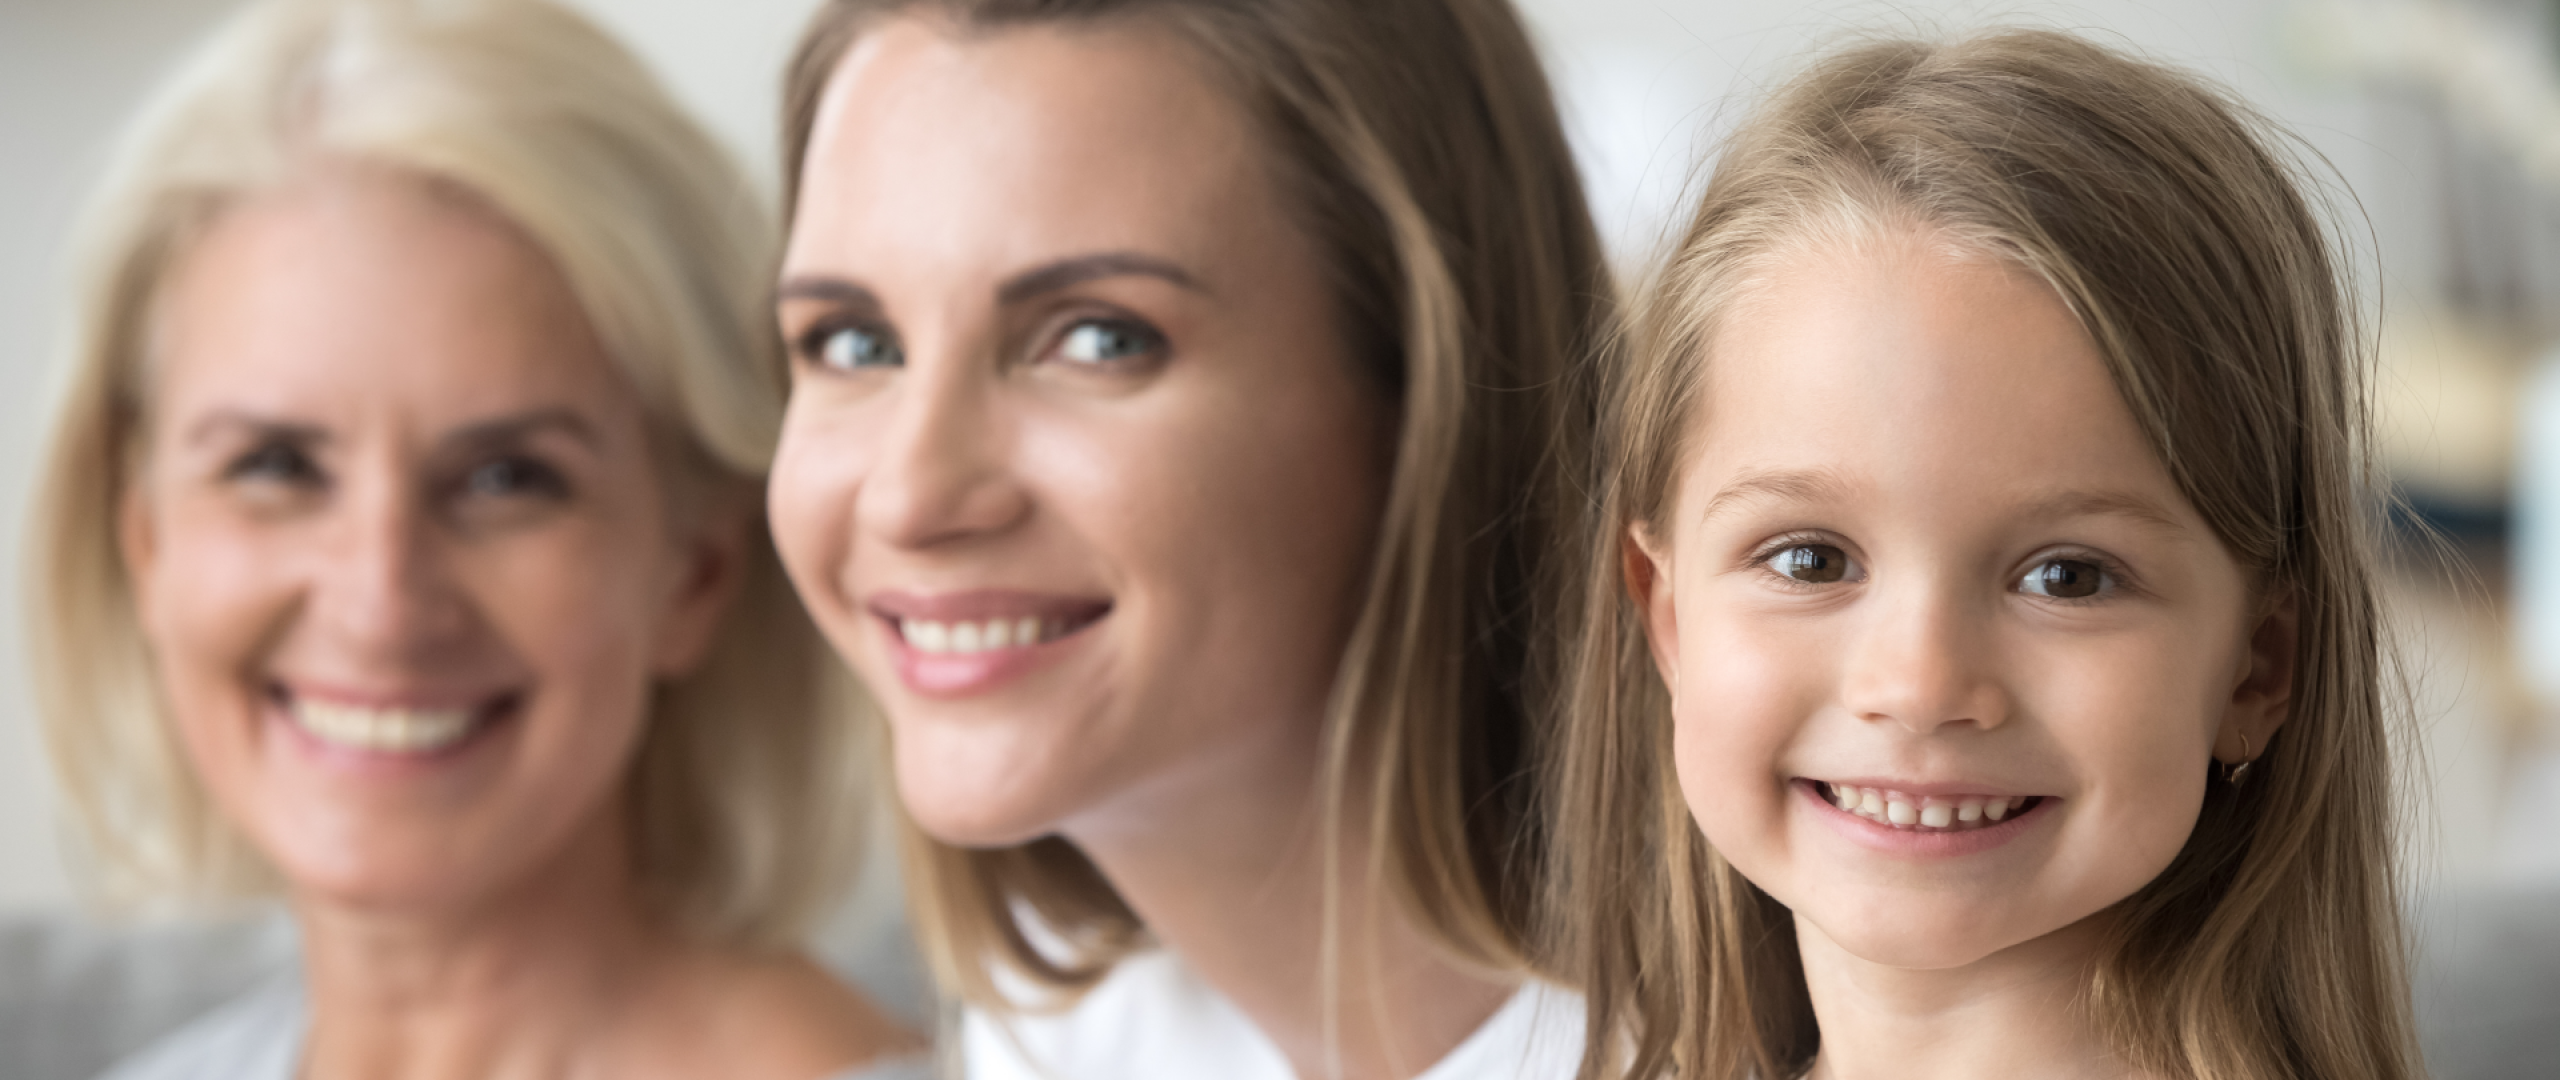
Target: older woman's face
[[1077, 471], [399, 546]]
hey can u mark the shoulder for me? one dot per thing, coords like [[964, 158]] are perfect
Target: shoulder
[[1536, 1035], [257, 1036], [776, 1016], [1151, 1017]]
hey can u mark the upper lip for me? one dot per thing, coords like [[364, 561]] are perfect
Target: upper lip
[[1941, 789], [973, 604]]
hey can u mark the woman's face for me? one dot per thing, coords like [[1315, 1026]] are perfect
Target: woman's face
[[1948, 647], [399, 545], [1077, 471]]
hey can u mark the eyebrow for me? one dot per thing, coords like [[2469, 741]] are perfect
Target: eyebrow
[[521, 426], [2119, 504], [1067, 273], [1798, 485]]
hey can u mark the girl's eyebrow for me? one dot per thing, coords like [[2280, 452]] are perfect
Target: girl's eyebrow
[[2138, 508], [1794, 485]]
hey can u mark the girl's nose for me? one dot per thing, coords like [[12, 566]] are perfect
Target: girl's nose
[[1922, 661], [943, 472]]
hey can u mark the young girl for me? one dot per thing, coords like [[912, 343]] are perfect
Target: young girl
[[1984, 473]]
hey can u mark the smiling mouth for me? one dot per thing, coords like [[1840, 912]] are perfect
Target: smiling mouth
[[388, 729], [991, 633], [1925, 813]]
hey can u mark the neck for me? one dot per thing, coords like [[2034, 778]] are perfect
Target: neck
[[1226, 864], [2018, 1012], [522, 985]]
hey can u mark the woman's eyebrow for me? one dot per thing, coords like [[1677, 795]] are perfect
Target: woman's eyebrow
[[514, 429], [832, 289], [1069, 272], [299, 433]]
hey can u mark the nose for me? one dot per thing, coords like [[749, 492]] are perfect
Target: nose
[[941, 474], [1923, 660], [382, 588]]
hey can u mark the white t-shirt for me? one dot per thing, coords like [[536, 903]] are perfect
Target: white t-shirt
[[1153, 1018]]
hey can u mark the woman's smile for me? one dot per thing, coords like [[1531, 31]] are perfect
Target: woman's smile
[[958, 644]]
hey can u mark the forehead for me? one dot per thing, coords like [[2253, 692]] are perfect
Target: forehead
[[1014, 144], [355, 281], [1918, 373]]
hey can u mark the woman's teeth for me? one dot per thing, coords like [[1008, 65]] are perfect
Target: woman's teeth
[[1924, 812], [985, 635], [391, 731]]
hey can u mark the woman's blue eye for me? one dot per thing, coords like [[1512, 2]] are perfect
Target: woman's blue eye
[[1101, 342], [850, 348], [2065, 579], [1812, 564]]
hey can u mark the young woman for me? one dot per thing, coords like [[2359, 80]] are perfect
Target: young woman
[[1182, 443], [403, 557], [1995, 596]]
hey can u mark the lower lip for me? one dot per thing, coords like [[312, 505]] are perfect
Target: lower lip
[[960, 675], [1922, 843], [484, 731]]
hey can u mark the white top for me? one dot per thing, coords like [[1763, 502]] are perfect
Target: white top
[[1153, 1018], [259, 1037]]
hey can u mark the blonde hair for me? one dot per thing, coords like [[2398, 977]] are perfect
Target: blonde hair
[[2155, 209], [746, 795], [1416, 140]]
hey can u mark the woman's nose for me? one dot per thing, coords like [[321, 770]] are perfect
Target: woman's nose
[[942, 474], [383, 586], [1922, 660]]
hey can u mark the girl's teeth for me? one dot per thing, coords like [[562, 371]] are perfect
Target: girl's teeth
[[1922, 812], [384, 731], [928, 636]]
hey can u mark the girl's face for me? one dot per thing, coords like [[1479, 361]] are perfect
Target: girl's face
[[1077, 471], [398, 545], [1948, 650]]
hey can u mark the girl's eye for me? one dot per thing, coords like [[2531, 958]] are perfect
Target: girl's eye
[[274, 463], [1104, 341], [850, 348], [1812, 564], [515, 477], [2065, 579]]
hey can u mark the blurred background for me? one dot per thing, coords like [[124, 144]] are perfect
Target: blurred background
[[2436, 124]]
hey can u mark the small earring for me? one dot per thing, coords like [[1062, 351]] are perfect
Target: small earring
[[2235, 775]]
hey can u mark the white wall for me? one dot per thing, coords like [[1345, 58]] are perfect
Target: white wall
[[1641, 78]]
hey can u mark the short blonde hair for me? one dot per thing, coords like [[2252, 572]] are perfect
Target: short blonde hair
[[747, 792], [2162, 214], [1417, 143]]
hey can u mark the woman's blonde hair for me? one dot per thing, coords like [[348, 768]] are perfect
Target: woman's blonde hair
[[1416, 140], [2155, 208], [747, 794]]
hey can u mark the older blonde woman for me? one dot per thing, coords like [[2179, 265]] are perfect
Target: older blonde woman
[[402, 555]]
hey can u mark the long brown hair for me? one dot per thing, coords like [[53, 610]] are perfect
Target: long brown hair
[[1417, 141], [2160, 213]]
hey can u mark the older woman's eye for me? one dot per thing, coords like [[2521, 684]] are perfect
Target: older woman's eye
[[2065, 579], [515, 477], [1811, 564], [280, 463], [1105, 341], [852, 348]]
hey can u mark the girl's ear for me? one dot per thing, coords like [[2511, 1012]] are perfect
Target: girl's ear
[[1647, 569], [2264, 697]]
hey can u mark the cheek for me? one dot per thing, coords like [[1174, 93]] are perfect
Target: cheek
[[817, 472], [2136, 714], [1745, 692]]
